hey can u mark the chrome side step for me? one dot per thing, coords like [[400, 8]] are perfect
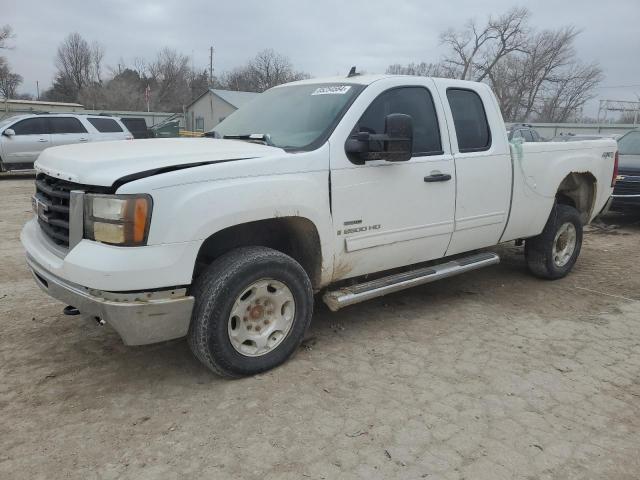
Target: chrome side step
[[337, 299]]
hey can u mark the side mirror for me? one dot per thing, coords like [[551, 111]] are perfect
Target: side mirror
[[394, 145], [9, 132], [399, 129]]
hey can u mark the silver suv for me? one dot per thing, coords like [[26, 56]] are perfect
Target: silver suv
[[23, 137]]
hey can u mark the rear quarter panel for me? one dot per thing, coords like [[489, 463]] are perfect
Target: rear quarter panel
[[540, 168]]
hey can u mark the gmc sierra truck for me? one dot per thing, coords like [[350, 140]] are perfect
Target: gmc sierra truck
[[350, 188]]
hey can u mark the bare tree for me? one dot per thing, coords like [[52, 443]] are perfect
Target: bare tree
[[567, 93], [267, 69], [97, 55], [422, 69], [519, 80], [476, 49], [534, 74], [169, 80], [74, 61], [6, 32], [9, 81]]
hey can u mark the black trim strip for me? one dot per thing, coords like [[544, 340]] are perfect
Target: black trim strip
[[158, 171]]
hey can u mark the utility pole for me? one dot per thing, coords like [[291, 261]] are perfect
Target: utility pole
[[37, 90], [211, 67]]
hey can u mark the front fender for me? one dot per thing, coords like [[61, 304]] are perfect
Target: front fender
[[195, 211]]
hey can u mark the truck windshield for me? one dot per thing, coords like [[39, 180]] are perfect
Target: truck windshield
[[296, 117], [630, 144]]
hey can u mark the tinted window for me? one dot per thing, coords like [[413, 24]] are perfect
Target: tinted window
[[472, 128], [528, 137], [137, 124], [105, 125], [66, 125], [536, 137], [31, 126], [414, 101], [629, 144]]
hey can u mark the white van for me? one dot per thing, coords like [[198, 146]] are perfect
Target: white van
[[23, 137]]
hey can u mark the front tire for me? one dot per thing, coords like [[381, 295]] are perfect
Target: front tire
[[553, 253], [253, 306]]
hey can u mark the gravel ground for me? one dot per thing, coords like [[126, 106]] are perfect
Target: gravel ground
[[490, 375]]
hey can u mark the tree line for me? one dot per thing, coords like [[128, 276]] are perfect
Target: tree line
[[535, 74], [170, 79]]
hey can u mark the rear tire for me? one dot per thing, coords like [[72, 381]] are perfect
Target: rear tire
[[553, 253], [253, 306]]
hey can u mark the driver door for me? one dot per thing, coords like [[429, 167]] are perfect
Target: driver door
[[391, 214], [31, 137]]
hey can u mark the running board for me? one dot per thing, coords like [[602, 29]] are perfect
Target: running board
[[337, 299]]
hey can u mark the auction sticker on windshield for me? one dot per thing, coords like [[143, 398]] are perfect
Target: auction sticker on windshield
[[332, 90]]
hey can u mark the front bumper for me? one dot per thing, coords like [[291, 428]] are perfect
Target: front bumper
[[139, 318]]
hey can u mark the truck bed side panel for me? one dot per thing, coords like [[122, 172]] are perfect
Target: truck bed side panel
[[540, 168]]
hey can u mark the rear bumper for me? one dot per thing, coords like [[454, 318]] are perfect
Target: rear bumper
[[625, 202], [139, 318]]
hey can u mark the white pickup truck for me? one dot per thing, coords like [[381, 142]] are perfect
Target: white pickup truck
[[352, 187]]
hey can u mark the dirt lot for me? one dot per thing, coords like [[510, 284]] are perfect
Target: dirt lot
[[490, 375]]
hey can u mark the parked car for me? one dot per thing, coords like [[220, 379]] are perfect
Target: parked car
[[351, 187], [524, 131], [626, 193], [137, 126], [23, 137]]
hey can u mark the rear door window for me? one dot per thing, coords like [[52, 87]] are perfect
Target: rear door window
[[470, 120], [105, 125], [31, 126], [66, 125]]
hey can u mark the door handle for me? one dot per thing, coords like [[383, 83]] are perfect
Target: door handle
[[42, 140], [437, 177], [83, 139]]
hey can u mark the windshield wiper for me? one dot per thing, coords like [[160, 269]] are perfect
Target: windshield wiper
[[263, 138]]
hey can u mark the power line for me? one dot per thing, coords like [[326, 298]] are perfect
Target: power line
[[620, 86]]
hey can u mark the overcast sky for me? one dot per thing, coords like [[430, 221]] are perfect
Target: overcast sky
[[322, 37]]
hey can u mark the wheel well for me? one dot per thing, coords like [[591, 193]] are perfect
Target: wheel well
[[579, 191], [293, 236]]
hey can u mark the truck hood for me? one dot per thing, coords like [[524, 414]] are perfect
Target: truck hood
[[629, 164], [106, 163]]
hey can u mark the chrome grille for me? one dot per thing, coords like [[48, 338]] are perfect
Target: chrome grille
[[51, 203], [628, 185]]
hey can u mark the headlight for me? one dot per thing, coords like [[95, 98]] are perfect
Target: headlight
[[117, 219]]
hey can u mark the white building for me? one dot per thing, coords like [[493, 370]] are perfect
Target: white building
[[213, 106], [12, 107]]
